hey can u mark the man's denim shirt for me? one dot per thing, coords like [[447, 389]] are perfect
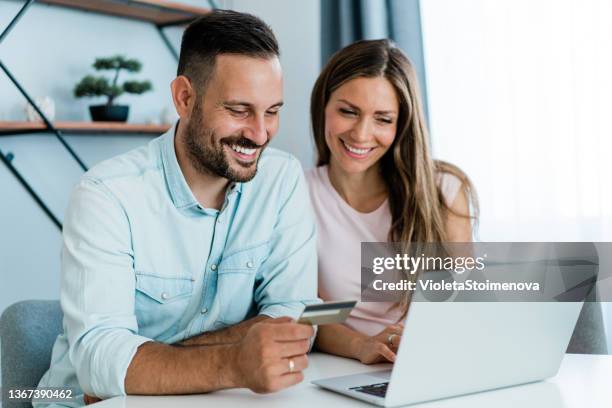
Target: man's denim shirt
[[142, 260]]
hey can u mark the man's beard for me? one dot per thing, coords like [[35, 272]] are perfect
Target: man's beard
[[208, 156]]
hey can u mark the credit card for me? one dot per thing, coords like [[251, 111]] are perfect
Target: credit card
[[327, 313]]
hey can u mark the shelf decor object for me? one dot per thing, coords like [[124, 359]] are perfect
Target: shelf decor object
[[160, 13], [92, 86], [46, 104]]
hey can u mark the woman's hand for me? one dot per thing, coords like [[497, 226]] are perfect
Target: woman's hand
[[380, 348]]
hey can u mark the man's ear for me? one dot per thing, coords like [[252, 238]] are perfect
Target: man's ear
[[183, 95]]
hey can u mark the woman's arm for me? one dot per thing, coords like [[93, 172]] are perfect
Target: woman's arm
[[458, 224], [345, 342], [338, 339]]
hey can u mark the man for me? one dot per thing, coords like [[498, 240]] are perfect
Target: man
[[170, 247]]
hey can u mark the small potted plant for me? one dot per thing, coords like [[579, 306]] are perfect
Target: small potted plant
[[92, 86]]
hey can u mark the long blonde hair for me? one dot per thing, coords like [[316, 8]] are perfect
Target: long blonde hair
[[418, 208]]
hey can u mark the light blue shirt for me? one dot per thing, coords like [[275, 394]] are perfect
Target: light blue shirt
[[142, 260]]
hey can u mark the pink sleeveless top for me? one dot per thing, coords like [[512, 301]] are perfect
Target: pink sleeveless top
[[341, 229]]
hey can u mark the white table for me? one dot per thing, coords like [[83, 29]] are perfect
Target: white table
[[584, 381]]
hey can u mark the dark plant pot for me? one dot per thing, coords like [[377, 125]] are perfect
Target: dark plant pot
[[112, 113]]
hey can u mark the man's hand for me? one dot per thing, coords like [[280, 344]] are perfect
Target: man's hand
[[272, 355]]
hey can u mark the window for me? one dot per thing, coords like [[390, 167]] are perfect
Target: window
[[519, 98]]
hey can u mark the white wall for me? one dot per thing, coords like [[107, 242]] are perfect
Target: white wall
[[49, 51], [298, 28]]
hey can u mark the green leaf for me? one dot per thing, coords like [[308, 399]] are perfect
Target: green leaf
[[108, 63], [92, 86], [131, 65], [114, 91], [137, 87]]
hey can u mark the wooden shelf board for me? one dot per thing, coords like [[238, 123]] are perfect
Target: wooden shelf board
[[86, 127], [155, 11]]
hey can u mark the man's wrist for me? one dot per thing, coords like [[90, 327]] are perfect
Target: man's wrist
[[231, 373]]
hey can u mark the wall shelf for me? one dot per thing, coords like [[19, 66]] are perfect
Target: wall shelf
[[13, 128], [158, 12]]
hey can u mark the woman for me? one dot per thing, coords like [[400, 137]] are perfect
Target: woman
[[375, 181]]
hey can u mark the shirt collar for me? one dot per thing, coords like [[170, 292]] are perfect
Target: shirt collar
[[181, 194]]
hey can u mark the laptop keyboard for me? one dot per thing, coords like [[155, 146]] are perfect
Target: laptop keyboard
[[379, 390]]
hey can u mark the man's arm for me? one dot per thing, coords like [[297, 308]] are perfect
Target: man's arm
[[98, 289], [159, 369], [228, 335], [260, 362]]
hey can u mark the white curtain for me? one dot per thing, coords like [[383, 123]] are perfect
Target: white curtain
[[520, 97]]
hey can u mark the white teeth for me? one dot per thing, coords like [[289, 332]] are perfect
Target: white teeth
[[354, 150], [243, 150]]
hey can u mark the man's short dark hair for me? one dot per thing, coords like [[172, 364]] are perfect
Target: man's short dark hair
[[222, 32]]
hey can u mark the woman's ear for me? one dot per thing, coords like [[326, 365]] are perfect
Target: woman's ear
[[183, 96]]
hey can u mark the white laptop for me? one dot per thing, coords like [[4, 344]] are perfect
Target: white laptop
[[454, 348]]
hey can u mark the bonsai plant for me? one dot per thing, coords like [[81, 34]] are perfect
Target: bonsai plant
[[91, 86]]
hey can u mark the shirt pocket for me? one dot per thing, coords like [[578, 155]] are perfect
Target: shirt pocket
[[160, 302], [236, 282]]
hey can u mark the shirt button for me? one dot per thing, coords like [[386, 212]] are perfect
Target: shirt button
[[250, 264], [213, 267], [164, 295], [204, 310]]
